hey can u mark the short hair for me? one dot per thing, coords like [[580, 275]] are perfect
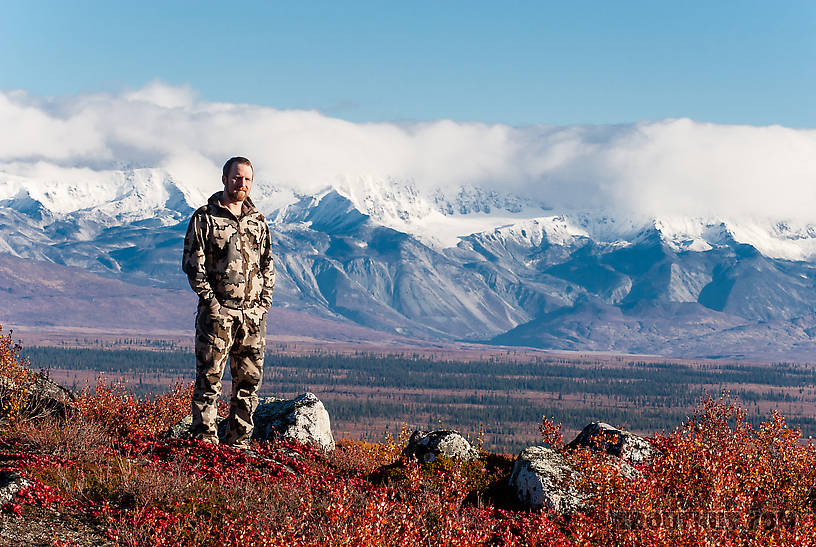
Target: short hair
[[239, 160]]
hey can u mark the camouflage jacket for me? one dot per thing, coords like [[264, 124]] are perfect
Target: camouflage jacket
[[228, 259]]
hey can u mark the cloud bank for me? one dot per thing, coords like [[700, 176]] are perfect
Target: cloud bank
[[675, 166]]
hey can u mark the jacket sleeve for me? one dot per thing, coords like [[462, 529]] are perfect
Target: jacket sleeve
[[193, 259], [267, 264]]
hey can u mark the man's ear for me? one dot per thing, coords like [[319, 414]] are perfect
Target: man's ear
[[224, 180]]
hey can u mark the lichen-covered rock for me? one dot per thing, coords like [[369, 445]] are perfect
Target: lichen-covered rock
[[425, 446], [10, 483], [542, 478], [181, 430], [629, 447], [303, 419], [42, 397], [49, 391]]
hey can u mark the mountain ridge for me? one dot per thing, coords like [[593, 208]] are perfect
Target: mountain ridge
[[461, 264]]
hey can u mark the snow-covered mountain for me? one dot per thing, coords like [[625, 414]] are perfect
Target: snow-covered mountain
[[460, 263]]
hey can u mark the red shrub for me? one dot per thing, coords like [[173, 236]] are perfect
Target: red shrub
[[114, 406]]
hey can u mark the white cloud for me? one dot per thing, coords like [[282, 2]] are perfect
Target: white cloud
[[30, 131], [159, 94], [666, 167]]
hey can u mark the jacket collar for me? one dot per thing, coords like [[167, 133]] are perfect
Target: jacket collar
[[214, 204]]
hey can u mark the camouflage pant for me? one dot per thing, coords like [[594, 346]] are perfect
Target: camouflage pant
[[241, 336]]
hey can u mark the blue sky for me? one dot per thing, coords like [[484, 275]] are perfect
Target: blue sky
[[521, 63]]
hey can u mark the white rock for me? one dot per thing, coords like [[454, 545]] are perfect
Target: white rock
[[10, 484], [303, 419], [542, 478], [425, 446]]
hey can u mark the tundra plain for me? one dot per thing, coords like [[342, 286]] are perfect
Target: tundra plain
[[493, 393]]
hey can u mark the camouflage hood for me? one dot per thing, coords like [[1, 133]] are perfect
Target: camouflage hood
[[228, 258]]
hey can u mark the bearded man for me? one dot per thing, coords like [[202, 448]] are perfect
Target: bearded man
[[228, 262]]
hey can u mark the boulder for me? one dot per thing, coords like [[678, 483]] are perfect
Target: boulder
[[631, 448], [303, 419], [43, 397], [542, 477], [425, 446], [181, 430], [10, 484]]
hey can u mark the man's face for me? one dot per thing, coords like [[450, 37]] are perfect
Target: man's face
[[239, 182]]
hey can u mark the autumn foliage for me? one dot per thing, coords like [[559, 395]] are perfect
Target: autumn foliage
[[718, 480], [16, 379], [126, 415]]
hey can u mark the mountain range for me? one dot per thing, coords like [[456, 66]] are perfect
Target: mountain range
[[432, 264]]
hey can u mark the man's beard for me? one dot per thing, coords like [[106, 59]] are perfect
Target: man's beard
[[238, 195]]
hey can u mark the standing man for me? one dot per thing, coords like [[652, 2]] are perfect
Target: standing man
[[228, 261]]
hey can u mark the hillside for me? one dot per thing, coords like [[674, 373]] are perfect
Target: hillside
[[103, 474], [54, 297]]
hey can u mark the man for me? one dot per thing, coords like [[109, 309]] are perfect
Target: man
[[228, 261]]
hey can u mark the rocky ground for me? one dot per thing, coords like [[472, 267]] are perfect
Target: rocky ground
[[49, 526]]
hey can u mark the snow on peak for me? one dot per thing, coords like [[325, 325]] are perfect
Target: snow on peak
[[113, 197], [566, 228], [437, 217], [473, 199], [775, 239], [788, 240], [440, 218], [389, 201]]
